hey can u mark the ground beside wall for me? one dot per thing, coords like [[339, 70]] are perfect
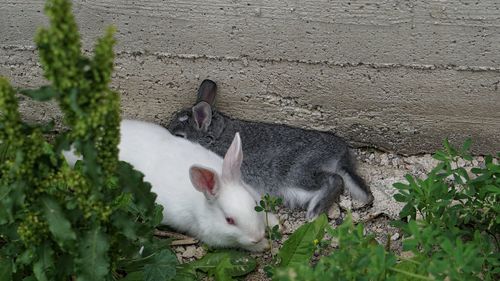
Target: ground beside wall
[[397, 75]]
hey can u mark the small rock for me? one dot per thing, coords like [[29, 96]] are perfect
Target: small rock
[[345, 203], [372, 156], [334, 211], [384, 160], [356, 205], [287, 226], [200, 252], [407, 254], [461, 162], [179, 249], [179, 257], [189, 252], [355, 217], [275, 249], [395, 236], [475, 163]]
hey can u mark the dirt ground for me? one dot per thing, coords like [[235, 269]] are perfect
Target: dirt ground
[[380, 170]]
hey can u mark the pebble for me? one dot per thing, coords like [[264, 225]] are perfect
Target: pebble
[[200, 252], [334, 212], [395, 236], [345, 203], [384, 160], [355, 217], [275, 249], [179, 257], [189, 252]]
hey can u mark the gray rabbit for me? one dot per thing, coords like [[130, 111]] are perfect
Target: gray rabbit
[[306, 168]]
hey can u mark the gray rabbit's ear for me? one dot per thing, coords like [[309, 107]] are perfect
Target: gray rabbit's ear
[[207, 92], [202, 115]]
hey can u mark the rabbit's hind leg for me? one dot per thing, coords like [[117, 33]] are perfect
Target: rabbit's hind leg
[[332, 186]]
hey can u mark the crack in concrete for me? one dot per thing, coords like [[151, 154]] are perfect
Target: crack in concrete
[[245, 59]]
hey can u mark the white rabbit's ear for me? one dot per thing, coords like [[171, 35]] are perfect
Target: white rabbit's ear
[[207, 92], [204, 180], [231, 166], [202, 114]]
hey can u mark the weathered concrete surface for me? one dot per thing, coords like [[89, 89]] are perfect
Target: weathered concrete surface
[[398, 75]]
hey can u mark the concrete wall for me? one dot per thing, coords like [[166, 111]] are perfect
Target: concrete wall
[[397, 75]]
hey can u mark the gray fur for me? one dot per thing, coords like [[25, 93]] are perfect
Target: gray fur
[[306, 168]]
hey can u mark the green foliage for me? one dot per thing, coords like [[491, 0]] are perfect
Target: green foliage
[[451, 225], [63, 223], [452, 217], [269, 205], [302, 244], [222, 265], [156, 262], [357, 258]]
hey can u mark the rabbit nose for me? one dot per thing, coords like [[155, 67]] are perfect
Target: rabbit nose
[[257, 241]]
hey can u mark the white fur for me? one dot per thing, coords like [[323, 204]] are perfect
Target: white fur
[[165, 161], [298, 196]]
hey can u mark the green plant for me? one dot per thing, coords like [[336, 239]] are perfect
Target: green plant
[[223, 265], [269, 204], [301, 245], [64, 223], [357, 258], [452, 217], [450, 221]]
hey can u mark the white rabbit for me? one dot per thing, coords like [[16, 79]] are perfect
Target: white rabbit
[[202, 194]]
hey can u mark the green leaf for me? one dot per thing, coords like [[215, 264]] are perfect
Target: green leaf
[[43, 93], [222, 265], [154, 252], [5, 269], [300, 245], [44, 266], [400, 197], [121, 220], [132, 181], [158, 215], [134, 276], [73, 101], [59, 225], [162, 267], [93, 262], [466, 145]]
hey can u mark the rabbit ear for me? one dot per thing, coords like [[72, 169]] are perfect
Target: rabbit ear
[[204, 180], [202, 114], [232, 161], [207, 92]]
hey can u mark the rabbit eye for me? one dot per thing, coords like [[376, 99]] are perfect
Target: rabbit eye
[[230, 221]]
